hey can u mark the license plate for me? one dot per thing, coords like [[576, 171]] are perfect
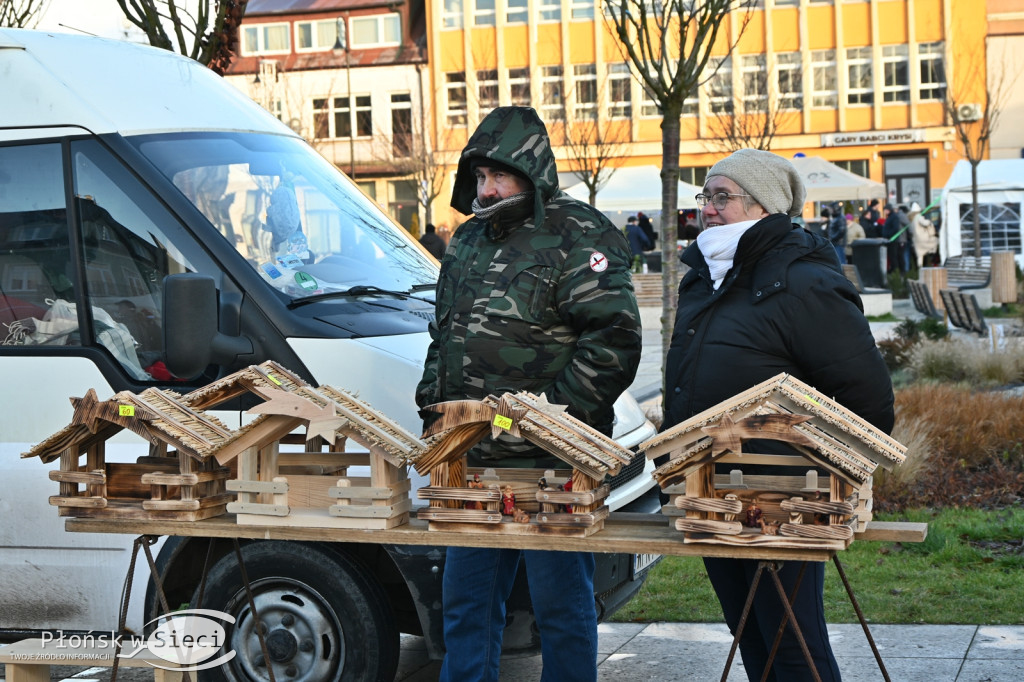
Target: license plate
[[642, 562]]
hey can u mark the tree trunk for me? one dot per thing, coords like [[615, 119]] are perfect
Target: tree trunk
[[669, 227], [974, 208]]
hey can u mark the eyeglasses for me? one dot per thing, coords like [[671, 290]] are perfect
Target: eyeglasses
[[718, 199]]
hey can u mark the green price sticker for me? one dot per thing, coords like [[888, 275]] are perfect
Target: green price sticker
[[502, 422], [274, 379], [126, 410]]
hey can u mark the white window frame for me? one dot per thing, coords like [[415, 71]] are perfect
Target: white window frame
[[928, 53], [789, 68], [484, 16], [620, 78], [553, 107], [893, 58], [381, 22], [261, 38], [719, 86], [456, 116], [823, 68], [549, 10], [582, 10], [860, 90], [518, 79], [754, 76], [314, 33], [452, 14], [487, 78], [584, 85], [517, 11]]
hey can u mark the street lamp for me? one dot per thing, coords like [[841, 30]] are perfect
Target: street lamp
[[341, 46]]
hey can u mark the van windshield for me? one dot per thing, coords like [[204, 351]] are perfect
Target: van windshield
[[297, 220]]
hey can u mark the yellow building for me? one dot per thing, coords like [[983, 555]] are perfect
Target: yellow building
[[861, 83]]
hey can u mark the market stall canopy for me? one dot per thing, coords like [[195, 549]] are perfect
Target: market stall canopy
[[634, 188], [1000, 196], [828, 182]]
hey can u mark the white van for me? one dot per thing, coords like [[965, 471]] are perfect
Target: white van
[[128, 176]]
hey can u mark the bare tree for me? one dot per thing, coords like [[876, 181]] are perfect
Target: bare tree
[[974, 121], [756, 118], [21, 13], [669, 43], [210, 35]]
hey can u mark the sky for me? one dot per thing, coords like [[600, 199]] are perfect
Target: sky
[[99, 17]]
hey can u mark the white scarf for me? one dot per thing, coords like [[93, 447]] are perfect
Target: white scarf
[[718, 246]]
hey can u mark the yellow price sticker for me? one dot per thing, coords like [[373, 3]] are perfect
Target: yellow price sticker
[[274, 379], [811, 399], [502, 422], [126, 410]]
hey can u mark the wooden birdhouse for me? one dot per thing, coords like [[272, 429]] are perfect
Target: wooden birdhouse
[[175, 478], [818, 497], [307, 482], [573, 506]]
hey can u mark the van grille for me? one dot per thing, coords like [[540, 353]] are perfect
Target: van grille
[[428, 316]]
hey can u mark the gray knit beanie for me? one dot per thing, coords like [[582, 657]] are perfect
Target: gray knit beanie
[[772, 180]]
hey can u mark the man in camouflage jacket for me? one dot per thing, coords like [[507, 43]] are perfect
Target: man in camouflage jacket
[[534, 294]]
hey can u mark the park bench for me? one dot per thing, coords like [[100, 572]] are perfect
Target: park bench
[[968, 272], [963, 311], [876, 301], [922, 299]]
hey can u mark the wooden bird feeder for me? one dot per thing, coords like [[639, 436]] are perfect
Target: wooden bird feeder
[[461, 502], [822, 506]]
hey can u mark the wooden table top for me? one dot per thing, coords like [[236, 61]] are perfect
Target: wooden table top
[[624, 532]]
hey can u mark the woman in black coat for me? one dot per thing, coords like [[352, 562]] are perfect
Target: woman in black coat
[[764, 296]]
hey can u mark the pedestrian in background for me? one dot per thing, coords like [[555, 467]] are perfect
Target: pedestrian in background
[[869, 218], [645, 224], [837, 232], [432, 242], [762, 297], [638, 243]]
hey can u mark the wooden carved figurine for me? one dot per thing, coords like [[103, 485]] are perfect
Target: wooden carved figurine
[[520, 516], [475, 484], [795, 517], [754, 514], [508, 501], [567, 487], [730, 497], [820, 519], [769, 527]]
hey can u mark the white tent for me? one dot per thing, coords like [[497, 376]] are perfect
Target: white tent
[[828, 182], [634, 188], [1000, 200]]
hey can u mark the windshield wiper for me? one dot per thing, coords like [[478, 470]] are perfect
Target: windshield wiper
[[357, 290]]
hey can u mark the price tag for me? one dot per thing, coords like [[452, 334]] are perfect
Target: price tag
[[126, 410], [810, 399], [274, 379], [503, 422]]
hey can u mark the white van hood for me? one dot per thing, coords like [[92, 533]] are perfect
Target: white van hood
[[66, 80]]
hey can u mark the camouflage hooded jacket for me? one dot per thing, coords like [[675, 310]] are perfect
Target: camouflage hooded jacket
[[542, 303]]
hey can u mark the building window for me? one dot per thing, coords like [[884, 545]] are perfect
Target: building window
[[582, 9], [315, 35], [896, 69], [334, 117], [1000, 227], [265, 39], [483, 13], [858, 72], [585, 85], [823, 69], [401, 125], [549, 10], [933, 71], [620, 104], [720, 85], [694, 175], [519, 86], [755, 83], [369, 187], [789, 66], [487, 89], [455, 89], [451, 14], [856, 166], [517, 11], [380, 30], [552, 93]]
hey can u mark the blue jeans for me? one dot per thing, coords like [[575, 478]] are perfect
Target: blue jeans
[[477, 581], [732, 578]]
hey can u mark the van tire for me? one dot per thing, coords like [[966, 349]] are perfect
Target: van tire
[[325, 617]]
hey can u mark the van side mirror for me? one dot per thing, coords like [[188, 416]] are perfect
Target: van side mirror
[[191, 339]]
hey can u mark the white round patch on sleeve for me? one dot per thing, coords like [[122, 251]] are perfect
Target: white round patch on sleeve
[[598, 262]]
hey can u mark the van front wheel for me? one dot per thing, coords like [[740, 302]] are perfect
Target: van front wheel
[[322, 615]]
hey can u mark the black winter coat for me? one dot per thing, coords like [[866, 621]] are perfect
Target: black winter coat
[[784, 306]]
